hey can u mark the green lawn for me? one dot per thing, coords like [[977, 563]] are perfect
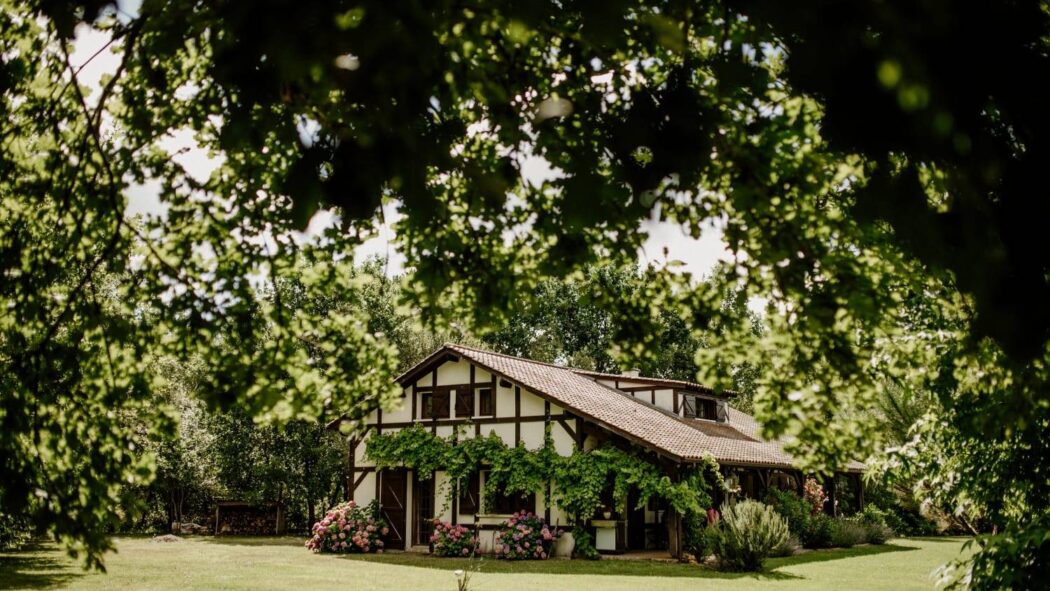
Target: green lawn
[[258, 564]]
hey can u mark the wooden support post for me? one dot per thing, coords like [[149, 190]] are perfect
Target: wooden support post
[[832, 503]]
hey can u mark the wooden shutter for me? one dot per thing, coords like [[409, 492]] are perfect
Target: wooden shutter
[[689, 407], [440, 405], [464, 402], [485, 406]]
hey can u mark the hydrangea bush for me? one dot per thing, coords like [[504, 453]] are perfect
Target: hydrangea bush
[[348, 528], [525, 536], [452, 540]]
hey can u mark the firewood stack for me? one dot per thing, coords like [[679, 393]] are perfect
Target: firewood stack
[[244, 519]]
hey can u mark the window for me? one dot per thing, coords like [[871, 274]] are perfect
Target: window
[[435, 405], [694, 407], [464, 402], [486, 404], [504, 504], [470, 495], [706, 409]]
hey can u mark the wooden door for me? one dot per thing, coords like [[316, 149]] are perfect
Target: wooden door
[[393, 486], [635, 523], [422, 509]]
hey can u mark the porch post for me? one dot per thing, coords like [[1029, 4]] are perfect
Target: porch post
[[860, 491], [829, 485], [674, 524]]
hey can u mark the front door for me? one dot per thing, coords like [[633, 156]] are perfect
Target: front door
[[392, 489], [423, 509]]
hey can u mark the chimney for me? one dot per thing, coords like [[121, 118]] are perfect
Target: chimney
[[631, 373]]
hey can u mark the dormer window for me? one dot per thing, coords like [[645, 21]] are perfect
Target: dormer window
[[695, 407]]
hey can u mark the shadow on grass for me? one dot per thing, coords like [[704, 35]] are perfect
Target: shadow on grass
[[251, 540], [836, 554], [619, 568], [639, 568], [34, 567], [942, 539]]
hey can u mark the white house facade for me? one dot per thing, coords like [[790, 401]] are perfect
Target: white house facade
[[472, 393]]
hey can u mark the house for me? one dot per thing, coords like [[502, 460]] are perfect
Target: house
[[475, 392]]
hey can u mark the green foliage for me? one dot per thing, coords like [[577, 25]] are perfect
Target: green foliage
[[579, 479], [873, 519], [818, 533], [847, 532], [1004, 561], [696, 537], [15, 531], [797, 512], [749, 533], [877, 194], [909, 522], [584, 544]]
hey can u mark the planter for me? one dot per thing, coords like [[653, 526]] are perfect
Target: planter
[[609, 535], [564, 546]]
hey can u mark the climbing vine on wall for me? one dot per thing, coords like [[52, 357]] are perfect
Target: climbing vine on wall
[[579, 479]]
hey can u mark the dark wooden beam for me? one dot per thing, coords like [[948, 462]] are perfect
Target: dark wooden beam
[[517, 415], [568, 429]]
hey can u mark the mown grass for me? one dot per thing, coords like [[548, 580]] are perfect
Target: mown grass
[[258, 564]]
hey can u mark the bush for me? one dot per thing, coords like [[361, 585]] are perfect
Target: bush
[[788, 548], [818, 532], [846, 533], [750, 532], [525, 536], [874, 521], [349, 528], [909, 522], [584, 547], [794, 509], [452, 540], [877, 534], [15, 532], [695, 538]]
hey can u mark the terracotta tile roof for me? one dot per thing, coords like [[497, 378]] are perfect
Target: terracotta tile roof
[[735, 442], [683, 384]]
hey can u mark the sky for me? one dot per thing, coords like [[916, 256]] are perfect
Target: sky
[[698, 256]]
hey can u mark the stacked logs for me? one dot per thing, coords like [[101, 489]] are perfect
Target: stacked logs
[[246, 519]]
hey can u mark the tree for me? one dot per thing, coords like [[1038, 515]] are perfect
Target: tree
[[582, 321], [881, 154]]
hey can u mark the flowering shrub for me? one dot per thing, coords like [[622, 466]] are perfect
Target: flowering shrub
[[452, 540], [813, 494], [525, 536], [348, 528]]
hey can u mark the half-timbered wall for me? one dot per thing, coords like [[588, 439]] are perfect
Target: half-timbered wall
[[515, 414]]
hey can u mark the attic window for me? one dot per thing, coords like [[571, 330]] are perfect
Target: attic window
[[695, 407]]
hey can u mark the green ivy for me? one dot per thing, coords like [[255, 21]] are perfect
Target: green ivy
[[579, 479]]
